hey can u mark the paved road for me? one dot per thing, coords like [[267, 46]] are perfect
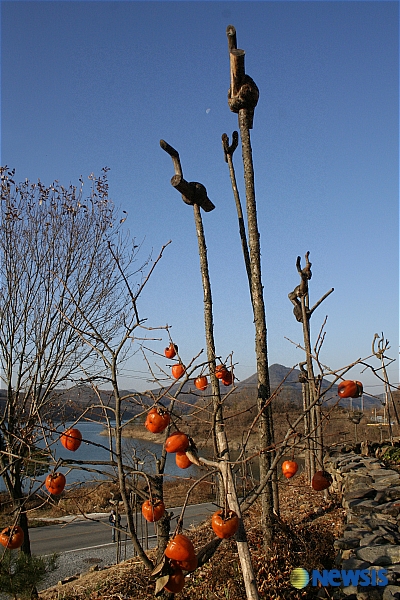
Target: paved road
[[82, 544], [84, 534]]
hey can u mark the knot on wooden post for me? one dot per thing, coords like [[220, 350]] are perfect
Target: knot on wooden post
[[302, 289], [192, 192], [303, 375], [246, 97], [299, 296]]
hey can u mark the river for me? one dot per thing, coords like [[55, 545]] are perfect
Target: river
[[143, 451], [137, 453]]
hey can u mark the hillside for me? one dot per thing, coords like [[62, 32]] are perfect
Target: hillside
[[290, 391], [68, 404], [291, 388]]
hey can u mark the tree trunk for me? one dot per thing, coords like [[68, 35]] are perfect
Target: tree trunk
[[228, 486], [240, 537], [266, 433], [14, 486], [122, 478], [316, 461], [209, 332]]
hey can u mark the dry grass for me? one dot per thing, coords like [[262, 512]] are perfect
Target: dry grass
[[82, 499], [95, 498], [303, 538]]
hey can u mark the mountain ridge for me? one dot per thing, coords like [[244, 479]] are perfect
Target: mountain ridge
[[73, 401]]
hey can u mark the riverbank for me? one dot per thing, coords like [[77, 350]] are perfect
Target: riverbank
[[138, 432]]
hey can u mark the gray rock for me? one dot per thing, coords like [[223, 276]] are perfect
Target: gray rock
[[347, 543], [379, 473], [379, 519], [392, 576], [389, 493], [361, 507], [393, 493], [388, 528], [369, 593], [358, 521], [375, 555], [373, 463], [392, 538], [394, 553], [391, 592], [349, 458], [380, 487], [352, 466], [372, 540], [370, 492], [354, 563], [380, 496], [363, 492], [389, 508], [354, 479], [384, 481], [350, 592], [352, 531]]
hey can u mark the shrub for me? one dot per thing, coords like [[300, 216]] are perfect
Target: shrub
[[20, 574]]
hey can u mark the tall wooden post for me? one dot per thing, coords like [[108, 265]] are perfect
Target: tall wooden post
[[195, 194], [242, 99]]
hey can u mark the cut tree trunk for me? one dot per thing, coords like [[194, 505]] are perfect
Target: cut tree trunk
[[266, 431]]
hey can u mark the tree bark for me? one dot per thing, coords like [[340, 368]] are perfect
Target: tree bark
[[266, 433], [121, 475], [228, 486]]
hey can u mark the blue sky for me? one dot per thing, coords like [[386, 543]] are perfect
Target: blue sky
[[93, 84]]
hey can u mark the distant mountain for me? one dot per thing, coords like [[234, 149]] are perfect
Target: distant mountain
[[73, 401], [290, 392], [68, 404]]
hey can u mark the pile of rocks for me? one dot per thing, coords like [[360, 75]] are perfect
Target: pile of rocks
[[370, 493]]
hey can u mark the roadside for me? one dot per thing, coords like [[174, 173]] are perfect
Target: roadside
[[70, 518], [73, 565], [307, 529], [77, 563]]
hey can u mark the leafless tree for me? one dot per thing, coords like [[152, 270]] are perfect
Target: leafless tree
[[55, 266], [311, 384]]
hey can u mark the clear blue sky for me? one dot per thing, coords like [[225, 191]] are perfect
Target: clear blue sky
[[89, 84]]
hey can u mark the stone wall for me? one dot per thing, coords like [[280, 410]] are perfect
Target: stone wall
[[370, 493]]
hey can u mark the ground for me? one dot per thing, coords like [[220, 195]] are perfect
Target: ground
[[304, 537]]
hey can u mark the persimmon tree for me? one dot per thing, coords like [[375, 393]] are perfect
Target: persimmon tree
[[195, 194], [380, 347], [52, 238], [111, 352], [70, 308]]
